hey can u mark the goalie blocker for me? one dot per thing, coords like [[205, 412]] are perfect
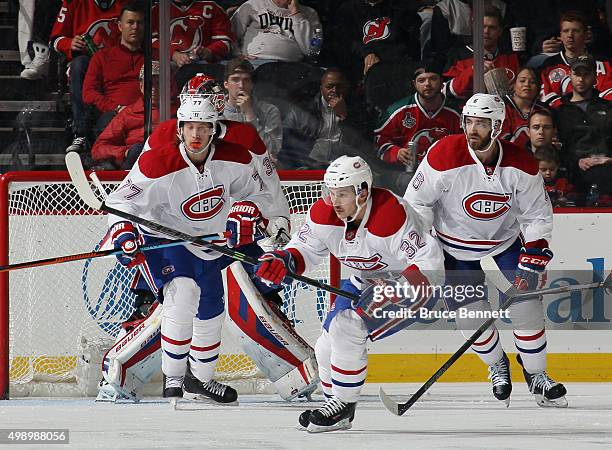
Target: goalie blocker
[[266, 336]]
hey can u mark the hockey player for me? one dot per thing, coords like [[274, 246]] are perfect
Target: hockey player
[[188, 187], [367, 229], [484, 196], [245, 135]]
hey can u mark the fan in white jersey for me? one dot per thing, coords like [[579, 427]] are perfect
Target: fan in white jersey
[[371, 230], [188, 187], [484, 196]]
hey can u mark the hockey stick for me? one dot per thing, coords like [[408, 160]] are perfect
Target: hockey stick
[[494, 275], [77, 174], [90, 255]]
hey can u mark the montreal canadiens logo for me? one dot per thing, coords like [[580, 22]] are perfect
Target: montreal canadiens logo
[[486, 205], [364, 263], [204, 205]]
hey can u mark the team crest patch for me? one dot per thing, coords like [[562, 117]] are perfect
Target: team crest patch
[[409, 120], [376, 30], [167, 270], [486, 205], [204, 205], [556, 75]]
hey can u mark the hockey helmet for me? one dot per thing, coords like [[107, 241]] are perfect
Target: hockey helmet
[[487, 106], [348, 171]]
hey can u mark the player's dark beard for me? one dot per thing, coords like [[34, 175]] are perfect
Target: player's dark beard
[[482, 144]]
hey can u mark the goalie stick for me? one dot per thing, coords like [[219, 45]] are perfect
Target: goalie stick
[[77, 174], [495, 276]]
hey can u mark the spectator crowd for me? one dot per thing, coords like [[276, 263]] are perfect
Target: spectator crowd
[[381, 79]]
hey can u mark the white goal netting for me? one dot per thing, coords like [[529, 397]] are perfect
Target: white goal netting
[[63, 317]]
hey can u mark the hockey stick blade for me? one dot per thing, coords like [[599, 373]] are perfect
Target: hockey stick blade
[[391, 405], [77, 174]]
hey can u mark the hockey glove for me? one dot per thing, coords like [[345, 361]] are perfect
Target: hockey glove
[[531, 269], [242, 223], [274, 266], [125, 238]]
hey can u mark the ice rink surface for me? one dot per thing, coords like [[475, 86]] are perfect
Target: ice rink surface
[[449, 416]]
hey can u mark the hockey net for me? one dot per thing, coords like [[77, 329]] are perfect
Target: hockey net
[[61, 318]]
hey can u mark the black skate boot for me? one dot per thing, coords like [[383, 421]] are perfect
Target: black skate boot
[[304, 420], [333, 415], [173, 387], [499, 374], [548, 393], [211, 391]]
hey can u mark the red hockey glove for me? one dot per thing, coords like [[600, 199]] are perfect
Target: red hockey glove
[[242, 223], [274, 266]]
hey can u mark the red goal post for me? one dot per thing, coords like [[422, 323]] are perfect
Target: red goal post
[[54, 317]]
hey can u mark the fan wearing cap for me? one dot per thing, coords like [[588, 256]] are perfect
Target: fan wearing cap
[[371, 231], [585, 129], [485, 197], [242, 106], [422, 118], [203, 185]]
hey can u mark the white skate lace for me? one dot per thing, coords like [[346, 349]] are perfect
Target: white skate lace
[[541, 380], [172, 381], [498, 373], [215, 388], [331, 407]]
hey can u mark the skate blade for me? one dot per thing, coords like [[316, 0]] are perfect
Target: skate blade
[[197, 398], [300, 427], [542, 402], [344, 424]]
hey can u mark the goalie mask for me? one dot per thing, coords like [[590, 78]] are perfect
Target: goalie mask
[[485, 106], [347, 172]]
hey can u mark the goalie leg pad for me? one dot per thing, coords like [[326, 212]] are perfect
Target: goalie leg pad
[[135, 358], [205, 346], [181, 297], [487, 346], [349, 357], [268, 338], [529, 334]]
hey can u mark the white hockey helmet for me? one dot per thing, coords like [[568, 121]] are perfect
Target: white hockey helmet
[[348, 171], [486, 106]]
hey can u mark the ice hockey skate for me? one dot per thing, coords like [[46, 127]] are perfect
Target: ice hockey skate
[[499, 374], [209, 392], [333, 415], [547, 392]]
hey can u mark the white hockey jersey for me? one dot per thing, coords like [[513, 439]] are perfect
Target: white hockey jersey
[[165, 187], [238, 133], [475, 214], [266, 31], [390, 238]]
